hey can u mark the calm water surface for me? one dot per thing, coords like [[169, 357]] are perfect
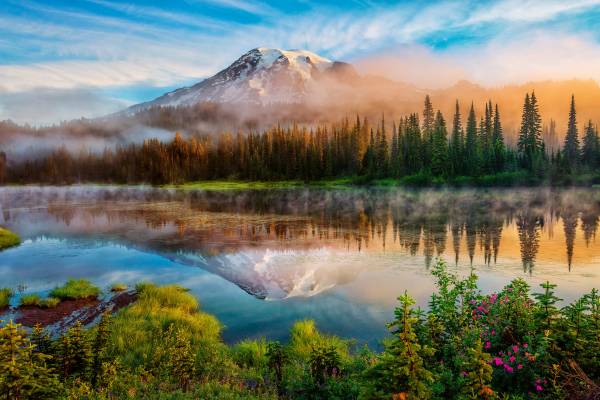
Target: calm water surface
[[260, 260]]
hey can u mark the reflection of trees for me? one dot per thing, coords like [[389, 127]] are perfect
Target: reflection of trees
[[529, 227], [224, 221], [456, 230], [589, 224], [570, 226]]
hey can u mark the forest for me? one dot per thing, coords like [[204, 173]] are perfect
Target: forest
[[508, 344], [417, 149]]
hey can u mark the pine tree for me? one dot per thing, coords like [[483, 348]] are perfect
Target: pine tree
[[427, 130], [439, 152], [498, 143], [99, 346], [74, 352], [471, 144], [546, 310], [456, 143], [478, 373], [400, 369], [395, 154], [591, 147], [24, 373], [571, 150]]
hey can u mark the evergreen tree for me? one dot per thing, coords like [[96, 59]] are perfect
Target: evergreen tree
[[471, 144], [439, 153], [400, 369], [24, 373], [530, 143], [571, 150], [427, 130], [99, 346], [498, 143], [591, 147], [456, 143]]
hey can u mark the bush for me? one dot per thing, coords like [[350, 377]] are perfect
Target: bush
[[5, 295], [76, 289], [30, 300], [49, 302]]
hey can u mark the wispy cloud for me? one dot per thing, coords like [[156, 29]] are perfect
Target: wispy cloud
[[108, 43]]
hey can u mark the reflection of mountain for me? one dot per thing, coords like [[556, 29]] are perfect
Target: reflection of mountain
[[277, 244]]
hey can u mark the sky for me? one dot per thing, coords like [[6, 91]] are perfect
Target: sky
[[70, 58]]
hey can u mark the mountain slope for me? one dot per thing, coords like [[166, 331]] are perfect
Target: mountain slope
[[262, 76]]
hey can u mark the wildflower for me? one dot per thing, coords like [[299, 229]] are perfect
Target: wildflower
[[488, 345], [515, 348], [498, 361], [520, 366], [525, 345], [508, 368], [512, 358], [538, 388]]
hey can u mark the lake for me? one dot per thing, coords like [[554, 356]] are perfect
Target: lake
[[260, 260]]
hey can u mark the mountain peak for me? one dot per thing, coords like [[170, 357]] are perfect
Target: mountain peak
[[260, 76]]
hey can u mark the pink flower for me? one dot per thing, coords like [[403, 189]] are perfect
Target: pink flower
[[515, 348], [520, 366], [525, 345], [512, 359], [508, 368], [498, 361], [493, 331], [539, 388], [488, 345]]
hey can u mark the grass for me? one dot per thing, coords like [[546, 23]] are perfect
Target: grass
[[8, 239], [237, 185], [5, 295], [136, 329], [75, 289], [118, 287], [34, 300], [30, 300]]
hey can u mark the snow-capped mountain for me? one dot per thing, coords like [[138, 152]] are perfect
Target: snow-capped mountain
[[262, 76]]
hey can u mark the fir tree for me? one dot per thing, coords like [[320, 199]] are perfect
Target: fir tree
[[498, 142], [456, 143], [400, 368], [439, 153], [471, 144], [24, 373], [591, 147], [571, 150]]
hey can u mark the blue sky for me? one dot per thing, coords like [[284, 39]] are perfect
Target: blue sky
[[111, 53]]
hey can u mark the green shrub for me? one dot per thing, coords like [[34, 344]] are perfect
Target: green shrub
[[8, 239], [31, 300], [5, 295], [49, 302], [75, 289]]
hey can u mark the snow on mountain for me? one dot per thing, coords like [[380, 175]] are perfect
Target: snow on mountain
[[261, 76]]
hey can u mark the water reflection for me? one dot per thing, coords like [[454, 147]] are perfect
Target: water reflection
[[313, 253], [244, 236]]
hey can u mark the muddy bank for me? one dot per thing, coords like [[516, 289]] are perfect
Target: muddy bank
[[69, 312]]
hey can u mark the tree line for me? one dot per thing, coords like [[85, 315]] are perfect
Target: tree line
[[415, 145]]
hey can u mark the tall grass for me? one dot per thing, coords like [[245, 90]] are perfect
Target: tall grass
[[5, 295], [138, 330], [75, 289], [8, 239]]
